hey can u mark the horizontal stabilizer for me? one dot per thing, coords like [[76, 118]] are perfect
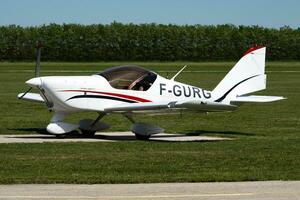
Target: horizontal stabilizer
[[31, 97], [256, 98]]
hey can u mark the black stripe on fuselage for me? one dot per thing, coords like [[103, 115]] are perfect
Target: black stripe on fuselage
[[225, 95], [101, 97]]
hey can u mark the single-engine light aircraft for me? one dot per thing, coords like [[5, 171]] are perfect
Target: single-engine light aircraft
[[130, 89]]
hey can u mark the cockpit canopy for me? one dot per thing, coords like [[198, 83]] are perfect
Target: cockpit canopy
[[129, 77]]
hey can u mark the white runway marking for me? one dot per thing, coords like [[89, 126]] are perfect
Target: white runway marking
[[104, 137], [275, 190], [129, 197]]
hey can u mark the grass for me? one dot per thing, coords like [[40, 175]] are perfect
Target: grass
[[266, 145], [132, 162]]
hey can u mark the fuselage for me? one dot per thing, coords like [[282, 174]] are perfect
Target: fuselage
[[77, 93]]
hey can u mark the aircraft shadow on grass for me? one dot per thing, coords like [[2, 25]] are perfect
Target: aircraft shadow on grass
[[206, 132], [158, 138]]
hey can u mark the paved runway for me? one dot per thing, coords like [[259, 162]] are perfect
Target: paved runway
[[102, 137], [270, 190]]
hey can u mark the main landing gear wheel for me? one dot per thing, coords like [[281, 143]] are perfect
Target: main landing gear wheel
[[142, 137], [60, 135], [88, 133], [143, 131], [88, 127]]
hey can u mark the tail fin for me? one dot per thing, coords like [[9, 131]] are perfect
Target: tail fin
[[247, 76]]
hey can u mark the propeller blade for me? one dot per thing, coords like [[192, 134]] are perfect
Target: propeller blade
[[38, 59], [21, 97]]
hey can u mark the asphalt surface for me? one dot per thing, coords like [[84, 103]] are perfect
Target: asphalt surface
[[269, 190], [103, 137]]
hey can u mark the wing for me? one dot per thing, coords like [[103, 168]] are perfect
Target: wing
[[31, 97], [195, 105], [141, 106], [207, 106]]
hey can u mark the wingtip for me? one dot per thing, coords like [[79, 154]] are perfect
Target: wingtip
[[19, 96]]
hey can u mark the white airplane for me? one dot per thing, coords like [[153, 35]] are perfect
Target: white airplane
[[129, 89]]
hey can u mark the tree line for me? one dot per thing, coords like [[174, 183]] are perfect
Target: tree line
[[145, 42]]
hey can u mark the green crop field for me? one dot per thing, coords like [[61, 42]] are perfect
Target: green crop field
[[265, 145]]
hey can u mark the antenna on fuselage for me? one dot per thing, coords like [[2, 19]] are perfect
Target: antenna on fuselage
[[38, 58], [173, 78]]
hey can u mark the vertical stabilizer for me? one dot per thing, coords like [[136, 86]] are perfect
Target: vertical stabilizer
[[247, 76]]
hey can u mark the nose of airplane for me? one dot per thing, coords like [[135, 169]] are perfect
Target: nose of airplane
[[34, 82]]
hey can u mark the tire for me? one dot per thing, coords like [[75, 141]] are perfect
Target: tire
[[60, 135], [142, 137], [88, 133]]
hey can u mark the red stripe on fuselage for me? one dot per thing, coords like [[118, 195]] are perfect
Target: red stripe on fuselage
[[112, 94]]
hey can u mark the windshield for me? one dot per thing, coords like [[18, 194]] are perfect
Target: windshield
[[129, 77]]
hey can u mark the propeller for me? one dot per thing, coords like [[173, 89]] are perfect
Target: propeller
[[37, 65], [38, 58]]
